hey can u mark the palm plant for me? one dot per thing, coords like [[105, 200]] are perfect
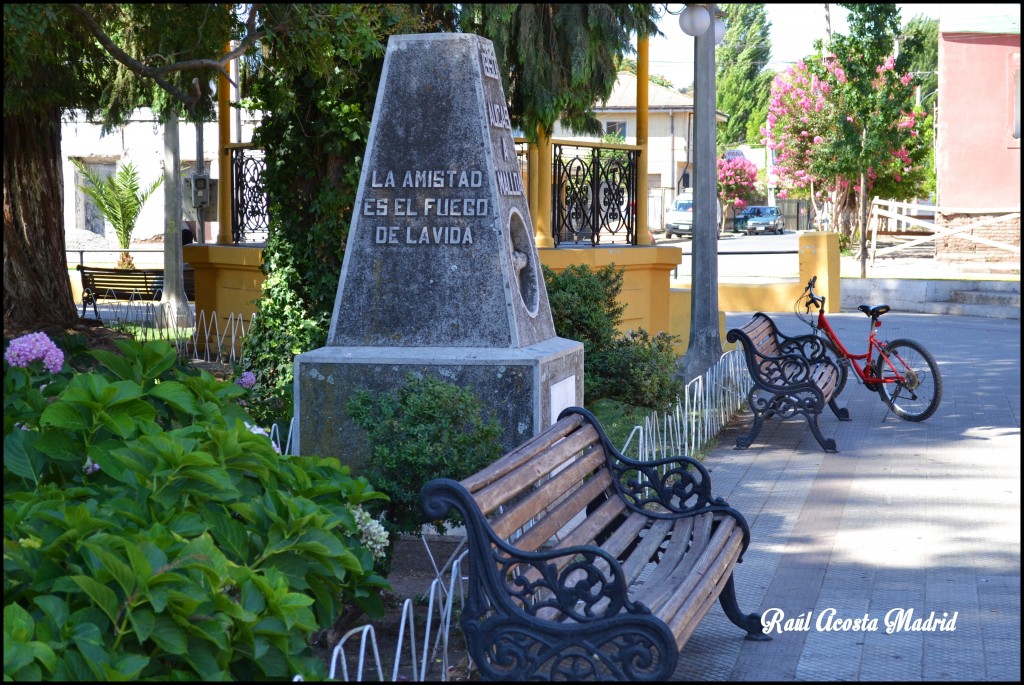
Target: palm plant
[[119, 199]]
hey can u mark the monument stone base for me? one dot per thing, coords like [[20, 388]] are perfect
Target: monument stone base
[[524, 388]]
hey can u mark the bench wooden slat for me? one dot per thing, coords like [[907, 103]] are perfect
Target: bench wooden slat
[[625, 535], [655, 535], [681, 555], [682, 624], [518, 514], [521, 454], [704, 557], [556, 519], [525, 473]]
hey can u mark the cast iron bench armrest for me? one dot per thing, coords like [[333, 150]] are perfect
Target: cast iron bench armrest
[[532, 579], [808, 346], [669, 488]]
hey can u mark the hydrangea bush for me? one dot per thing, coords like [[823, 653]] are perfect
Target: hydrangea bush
[[149, 533]]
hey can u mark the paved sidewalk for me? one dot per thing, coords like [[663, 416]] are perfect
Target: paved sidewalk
[[913, 516]]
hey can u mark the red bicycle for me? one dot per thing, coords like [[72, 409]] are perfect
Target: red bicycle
[[903, 372]]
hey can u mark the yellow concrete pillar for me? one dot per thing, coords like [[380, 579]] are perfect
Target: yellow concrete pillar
[[542, 215], [223, 160], [643, 232], [229, 280], [819, 256]]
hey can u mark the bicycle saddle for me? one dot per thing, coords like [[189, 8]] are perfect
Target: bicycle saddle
[[876, 311]]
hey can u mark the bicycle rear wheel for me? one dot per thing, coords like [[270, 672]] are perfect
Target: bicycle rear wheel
[[919, 395]]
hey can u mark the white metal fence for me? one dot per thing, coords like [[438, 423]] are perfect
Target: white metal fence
[[707, 404]]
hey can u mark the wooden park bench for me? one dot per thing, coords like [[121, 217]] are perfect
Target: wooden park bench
[[133, 285], [585, 564], [791, 376]]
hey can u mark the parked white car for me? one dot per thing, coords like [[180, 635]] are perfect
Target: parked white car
[[679, 216]]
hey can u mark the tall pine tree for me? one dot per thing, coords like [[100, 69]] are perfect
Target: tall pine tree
[[743, 80]]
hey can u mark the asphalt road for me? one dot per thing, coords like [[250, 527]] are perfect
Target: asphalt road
[[734, 263]]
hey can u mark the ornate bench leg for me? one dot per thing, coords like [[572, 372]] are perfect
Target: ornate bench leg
[[748, 622], [828, 444], [842, 413], [743, 443]]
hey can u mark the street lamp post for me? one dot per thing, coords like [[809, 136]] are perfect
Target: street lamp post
[[705, 346]]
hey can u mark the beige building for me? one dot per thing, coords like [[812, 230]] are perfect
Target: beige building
[[669, 135]]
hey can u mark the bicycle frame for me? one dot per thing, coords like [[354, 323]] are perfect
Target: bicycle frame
[[864, 373]]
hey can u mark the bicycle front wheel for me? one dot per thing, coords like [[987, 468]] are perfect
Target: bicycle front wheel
[[918, 395]]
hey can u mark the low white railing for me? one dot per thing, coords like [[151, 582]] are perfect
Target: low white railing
[[707, 404]]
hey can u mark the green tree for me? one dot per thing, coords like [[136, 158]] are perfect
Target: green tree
[[850, 112], [743, 79], [104, 60], [920, 45], [119, 198], [559, 59]]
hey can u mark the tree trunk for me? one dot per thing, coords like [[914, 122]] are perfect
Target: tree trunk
[[705, 342], [37, 290], [174, 310]]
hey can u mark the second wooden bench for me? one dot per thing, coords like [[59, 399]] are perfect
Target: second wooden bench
[[133, 285], [791, 376]]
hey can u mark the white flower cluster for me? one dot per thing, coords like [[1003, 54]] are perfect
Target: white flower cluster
[[375, 536]]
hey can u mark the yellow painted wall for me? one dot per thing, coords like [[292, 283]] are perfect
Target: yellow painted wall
[[228, 280], [653, 305], [645, 281]]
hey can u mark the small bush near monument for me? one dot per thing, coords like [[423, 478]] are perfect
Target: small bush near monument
[[634, 368], [425, 429], [152, 533]]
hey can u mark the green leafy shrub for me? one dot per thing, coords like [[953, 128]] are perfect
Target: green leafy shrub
[[426, 428], [634, 368], [150, 532]]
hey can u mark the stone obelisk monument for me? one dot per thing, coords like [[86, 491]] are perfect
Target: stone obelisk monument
[[441, 274]]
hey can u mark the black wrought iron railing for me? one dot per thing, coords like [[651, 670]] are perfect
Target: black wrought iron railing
[[250, 219], [593, 193]]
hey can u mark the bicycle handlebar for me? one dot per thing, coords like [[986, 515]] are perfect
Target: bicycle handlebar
[[817, 300]]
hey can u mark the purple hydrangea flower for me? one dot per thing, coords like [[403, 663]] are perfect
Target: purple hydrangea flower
[[247, 380], [35, 347]]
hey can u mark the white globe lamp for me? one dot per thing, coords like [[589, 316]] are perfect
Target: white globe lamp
[[694, 20]]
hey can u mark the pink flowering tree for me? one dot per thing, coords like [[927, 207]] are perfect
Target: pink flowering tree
[[737, 179], [847, 113]]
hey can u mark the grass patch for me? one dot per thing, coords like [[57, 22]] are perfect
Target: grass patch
[[144, 333], [618, 419]]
